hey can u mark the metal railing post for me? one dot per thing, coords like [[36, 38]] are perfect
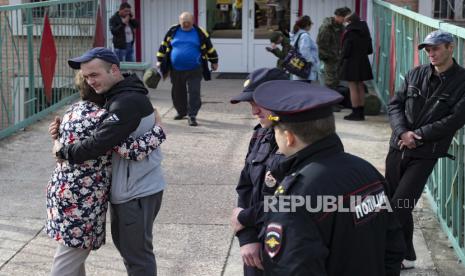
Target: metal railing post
[[30, 61]]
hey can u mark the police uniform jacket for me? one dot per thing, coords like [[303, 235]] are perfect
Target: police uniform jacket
[[261, 158], [363, 243], [207, 52], [434, 112]]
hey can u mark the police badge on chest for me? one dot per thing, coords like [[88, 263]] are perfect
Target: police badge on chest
[[270, 181]]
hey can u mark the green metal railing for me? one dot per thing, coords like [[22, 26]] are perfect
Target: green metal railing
[[22, 97], [397, 31]]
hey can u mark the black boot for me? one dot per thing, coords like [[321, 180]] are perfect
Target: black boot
[[357, 114], [361, 113], [192, 121], [352, 115]]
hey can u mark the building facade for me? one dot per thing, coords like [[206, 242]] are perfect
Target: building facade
[[239, 29]]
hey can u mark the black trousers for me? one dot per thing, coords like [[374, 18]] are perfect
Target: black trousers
[[131, 230], [252, 271], [185, 91], [406, 178]]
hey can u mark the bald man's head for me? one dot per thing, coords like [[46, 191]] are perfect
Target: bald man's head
[[186, 19]]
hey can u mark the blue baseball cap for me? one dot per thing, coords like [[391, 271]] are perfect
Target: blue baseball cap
[[296, 101], [256, 78], [436, 38], [99, 52]]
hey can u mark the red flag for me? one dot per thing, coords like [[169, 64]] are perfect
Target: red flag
[[47, 58], [99, 36]]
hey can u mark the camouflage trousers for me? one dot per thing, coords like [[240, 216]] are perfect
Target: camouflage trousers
[[331, 74]]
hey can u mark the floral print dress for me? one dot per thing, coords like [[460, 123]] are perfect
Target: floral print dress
[[77, 194]]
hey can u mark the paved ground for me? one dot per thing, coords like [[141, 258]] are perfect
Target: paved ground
[[202, 164]]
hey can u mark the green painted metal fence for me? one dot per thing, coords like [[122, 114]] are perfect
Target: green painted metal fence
[[22, 97], [397, 31]]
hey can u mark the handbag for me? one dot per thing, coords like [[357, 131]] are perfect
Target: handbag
[[151, 78], [295, 63]]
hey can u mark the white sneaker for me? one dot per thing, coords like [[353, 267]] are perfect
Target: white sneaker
[[407, 264]]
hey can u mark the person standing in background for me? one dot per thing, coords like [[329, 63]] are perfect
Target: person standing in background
[[329, 45], [277, 38], [301, 40], [237, 14], [355, 65], [122, 25], [184, 54]]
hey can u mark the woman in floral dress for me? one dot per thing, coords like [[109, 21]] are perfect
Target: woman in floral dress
[[77, 194]]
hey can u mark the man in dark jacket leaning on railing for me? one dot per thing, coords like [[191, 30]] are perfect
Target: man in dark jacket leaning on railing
[[424, 115]]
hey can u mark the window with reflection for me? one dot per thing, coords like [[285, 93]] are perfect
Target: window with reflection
[[270, 16], [224, 18]]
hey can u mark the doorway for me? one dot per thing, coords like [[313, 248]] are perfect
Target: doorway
[[240, 30]]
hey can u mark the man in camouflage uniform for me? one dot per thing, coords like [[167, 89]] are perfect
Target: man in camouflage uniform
[[329, 45]]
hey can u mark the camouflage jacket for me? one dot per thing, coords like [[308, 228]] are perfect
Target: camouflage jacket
[[329, 40], [282, 53]]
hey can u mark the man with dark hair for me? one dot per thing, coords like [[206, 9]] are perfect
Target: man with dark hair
[[424, 115], [136, 186], [329, 45], [184, 54], [304, 234], [122, 25]]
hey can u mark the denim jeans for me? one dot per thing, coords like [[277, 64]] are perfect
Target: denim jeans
[[125, 54]]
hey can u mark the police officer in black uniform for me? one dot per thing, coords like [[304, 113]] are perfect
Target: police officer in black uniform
[[357, 236], [254, 182]]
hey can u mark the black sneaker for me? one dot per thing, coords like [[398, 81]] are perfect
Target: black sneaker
[[192, 121], [179, 117]]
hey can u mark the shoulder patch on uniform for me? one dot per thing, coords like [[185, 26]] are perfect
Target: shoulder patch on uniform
[[112, 118], [368, 202], [286, 184], [273, 239]]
